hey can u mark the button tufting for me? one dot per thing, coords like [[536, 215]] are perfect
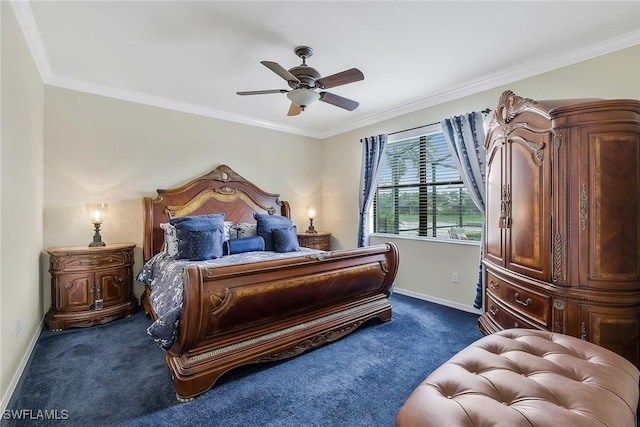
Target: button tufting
[[551, 368]]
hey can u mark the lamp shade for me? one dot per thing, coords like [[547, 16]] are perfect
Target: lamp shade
[[311, 212], [96, 212], [303, 97]]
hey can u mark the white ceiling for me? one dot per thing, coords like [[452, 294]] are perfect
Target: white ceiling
[[194, 55]]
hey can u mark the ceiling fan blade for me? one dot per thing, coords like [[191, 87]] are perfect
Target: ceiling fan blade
[[342, 78], [338, 101], [262, 92], [280, 70], [294, 110]]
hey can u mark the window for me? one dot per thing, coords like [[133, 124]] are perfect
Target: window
[[420, 192]]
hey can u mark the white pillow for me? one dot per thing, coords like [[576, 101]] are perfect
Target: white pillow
[[228, 226], [170, 239], [245, 229]]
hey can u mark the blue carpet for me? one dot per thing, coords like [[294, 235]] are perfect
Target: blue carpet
[[115, 375]]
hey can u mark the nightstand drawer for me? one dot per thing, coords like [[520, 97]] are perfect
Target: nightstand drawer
[[319, 240], [530, 304], [81, 262]]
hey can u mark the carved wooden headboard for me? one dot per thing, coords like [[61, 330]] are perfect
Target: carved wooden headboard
[[220, 191]]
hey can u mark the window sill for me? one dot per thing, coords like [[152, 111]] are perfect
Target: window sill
[[426, 239]]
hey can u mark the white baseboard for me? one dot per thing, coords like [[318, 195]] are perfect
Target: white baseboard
[[23, 364], [447, 303]]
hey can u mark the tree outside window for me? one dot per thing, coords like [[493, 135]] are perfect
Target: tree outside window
[[420, 192]]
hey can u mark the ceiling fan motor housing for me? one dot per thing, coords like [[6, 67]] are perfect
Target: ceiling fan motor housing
[[307, 76]]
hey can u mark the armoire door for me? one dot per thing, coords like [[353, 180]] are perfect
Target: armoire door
[[608, 201], [615, 328], [527, 238], [494, 249]]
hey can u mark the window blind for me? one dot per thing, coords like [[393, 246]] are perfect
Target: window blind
[[420, 192]]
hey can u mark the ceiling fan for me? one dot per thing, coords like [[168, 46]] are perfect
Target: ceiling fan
[[304, 80]]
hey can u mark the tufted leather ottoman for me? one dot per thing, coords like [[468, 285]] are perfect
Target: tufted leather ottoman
[[525, 377]]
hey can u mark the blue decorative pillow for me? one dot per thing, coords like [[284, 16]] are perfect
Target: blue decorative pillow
[[243, 244], [285, 239], [199, 222], [194, 223], [266, 223], [205, 244]]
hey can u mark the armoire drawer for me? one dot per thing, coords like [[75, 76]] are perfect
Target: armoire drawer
[[527, 302], [503, 317]]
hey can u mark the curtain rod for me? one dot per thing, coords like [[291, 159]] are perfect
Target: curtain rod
[[485, 111]]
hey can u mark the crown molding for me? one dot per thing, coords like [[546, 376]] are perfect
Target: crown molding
[[507, 76], [171, 104], [29, 28], [27, 23]]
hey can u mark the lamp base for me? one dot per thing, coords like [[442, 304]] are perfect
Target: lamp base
[[97, 238], [311, 230]]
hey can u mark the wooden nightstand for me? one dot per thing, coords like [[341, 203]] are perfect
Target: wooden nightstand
[[90, 286], [319, 240]]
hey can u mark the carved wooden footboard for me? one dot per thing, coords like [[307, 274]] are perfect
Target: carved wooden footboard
[[235, 316]]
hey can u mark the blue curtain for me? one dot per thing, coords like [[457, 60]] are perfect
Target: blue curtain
[[372, 152], [465, 136]]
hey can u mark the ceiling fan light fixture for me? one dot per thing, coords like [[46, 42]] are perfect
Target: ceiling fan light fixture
[[303, 79], [303, 97]]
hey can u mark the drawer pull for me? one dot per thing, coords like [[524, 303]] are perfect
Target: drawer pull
[[516, 325], [493, 285], [493, 311], [525, 303]]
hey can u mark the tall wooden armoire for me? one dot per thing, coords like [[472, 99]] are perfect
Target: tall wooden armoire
[[562, 238]]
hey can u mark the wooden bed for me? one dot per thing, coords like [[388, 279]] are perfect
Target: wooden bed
[[237, 315]]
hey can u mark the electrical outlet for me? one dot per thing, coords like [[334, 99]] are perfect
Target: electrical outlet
[[18, 329], [455, 278]]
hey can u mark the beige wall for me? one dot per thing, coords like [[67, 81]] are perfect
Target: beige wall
[[21, 201], [104, 149], [427, 266]]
